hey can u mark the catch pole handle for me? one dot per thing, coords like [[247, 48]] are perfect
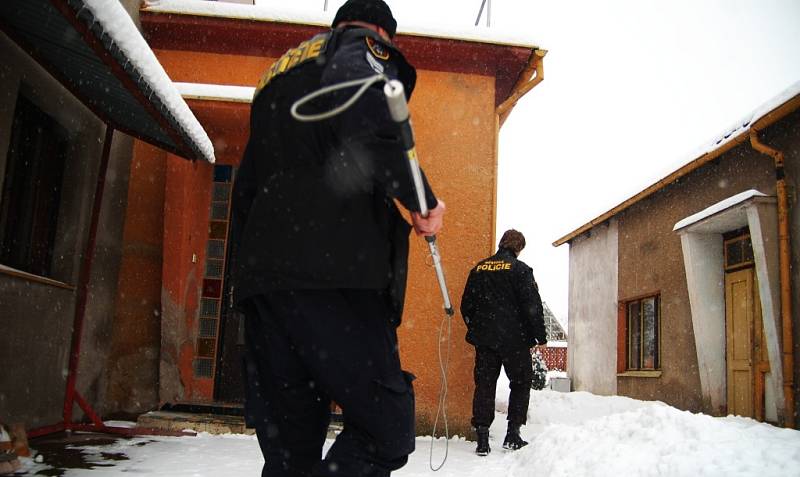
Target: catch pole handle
[[398, 110]]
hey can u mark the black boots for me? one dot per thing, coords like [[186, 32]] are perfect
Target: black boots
[[513, 440], [483, 441]]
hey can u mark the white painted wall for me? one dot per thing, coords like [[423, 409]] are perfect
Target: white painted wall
[[762, 219], [593, 278], [705, 277]]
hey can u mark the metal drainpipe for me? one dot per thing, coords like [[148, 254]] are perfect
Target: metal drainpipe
[[784, 251]]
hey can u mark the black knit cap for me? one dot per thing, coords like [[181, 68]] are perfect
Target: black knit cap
[[376, 12]]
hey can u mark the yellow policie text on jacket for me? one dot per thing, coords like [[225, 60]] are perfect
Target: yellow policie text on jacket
[[305, 51], [493, 266]]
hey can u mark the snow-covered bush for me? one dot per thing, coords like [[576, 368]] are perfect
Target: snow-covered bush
[[539, 371]]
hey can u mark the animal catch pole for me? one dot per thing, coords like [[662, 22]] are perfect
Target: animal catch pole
[[398, 108]]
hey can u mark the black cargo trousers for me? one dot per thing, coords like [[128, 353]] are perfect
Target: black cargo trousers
[[519, 369], [306, 348]]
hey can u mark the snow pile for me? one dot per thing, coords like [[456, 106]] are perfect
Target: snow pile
[[571, 434], [210, 455], [657, 440]]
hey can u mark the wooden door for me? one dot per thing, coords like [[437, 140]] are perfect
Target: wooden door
[[229, 385], [739, 326]]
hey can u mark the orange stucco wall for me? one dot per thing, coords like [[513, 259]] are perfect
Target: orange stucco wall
[[455, 126], [187, 201], [136, 332], [456, 146]]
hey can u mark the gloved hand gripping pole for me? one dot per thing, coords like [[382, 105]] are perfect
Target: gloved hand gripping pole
[[398, 109]]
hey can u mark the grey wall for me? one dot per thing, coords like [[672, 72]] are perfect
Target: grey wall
[[591, 355], [37, 314]]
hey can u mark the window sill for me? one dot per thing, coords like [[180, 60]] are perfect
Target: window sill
[[4, 270], [640, 374]]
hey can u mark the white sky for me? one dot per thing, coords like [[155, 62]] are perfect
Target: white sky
[[573, 434], [631, 89]]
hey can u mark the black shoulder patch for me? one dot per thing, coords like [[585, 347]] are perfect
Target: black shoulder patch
[[377, 49]]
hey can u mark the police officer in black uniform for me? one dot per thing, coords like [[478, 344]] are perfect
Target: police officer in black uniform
[[503, 313], [320, 255]]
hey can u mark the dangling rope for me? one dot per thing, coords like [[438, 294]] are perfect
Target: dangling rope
[[365, 83], [442, 407]]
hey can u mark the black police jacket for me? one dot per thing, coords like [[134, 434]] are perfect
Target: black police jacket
[[501, 305], [313, 202]]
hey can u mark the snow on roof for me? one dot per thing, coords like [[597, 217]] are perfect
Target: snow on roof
[[281, 12], [216, 92], [742, 126], [728, 134], [744, 123], [118, 25], [718, 207]]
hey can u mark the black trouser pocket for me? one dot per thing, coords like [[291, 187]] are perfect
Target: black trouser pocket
[[394, 427]]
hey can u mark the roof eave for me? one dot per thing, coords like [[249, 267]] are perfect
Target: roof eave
[[190, 31], [764, 121]]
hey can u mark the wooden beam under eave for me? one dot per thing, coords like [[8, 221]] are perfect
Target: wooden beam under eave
[[524, 84]]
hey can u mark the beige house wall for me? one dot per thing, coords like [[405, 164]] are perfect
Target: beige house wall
[[651, 261]]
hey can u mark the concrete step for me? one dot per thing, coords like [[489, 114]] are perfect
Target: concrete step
[[198, 422], [205, 422]]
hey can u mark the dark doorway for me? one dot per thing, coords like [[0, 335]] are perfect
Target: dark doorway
[[229, 383], [229, 376]]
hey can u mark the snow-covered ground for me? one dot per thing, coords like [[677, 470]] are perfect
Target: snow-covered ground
[[571, 434]]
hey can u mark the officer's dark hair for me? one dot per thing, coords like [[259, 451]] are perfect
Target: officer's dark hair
[[376, 12], [513, 240]]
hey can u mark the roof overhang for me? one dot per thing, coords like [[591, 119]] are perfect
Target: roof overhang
[[87, 57], [192, 31], [726, 215]]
